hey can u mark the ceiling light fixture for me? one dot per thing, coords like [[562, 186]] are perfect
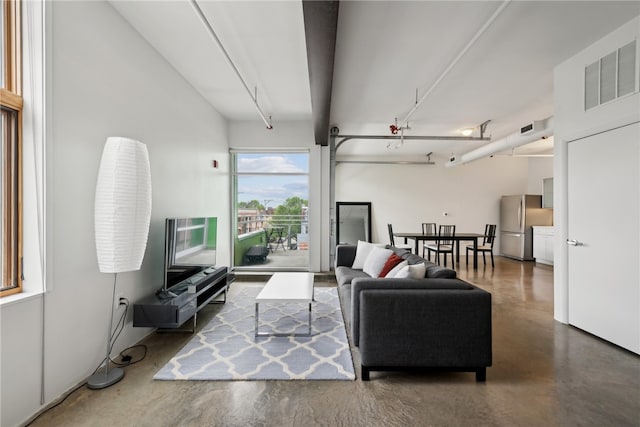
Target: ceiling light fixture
[[394, 131], [467, 131]]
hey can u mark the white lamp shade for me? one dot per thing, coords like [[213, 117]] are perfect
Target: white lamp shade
[[122, 205]]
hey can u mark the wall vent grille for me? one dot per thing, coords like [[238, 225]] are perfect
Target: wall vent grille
[[612, 76]]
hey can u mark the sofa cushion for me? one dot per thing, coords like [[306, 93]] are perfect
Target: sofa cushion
[[435, 271], [398, 251], [362, 252], [395, 269], [375, 261], [432, 270], [415, 271], [344, 293], [390, 264], [413, 258], [345, 275]]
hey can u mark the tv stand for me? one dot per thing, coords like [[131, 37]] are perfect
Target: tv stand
[[165, 294], [171, 308]]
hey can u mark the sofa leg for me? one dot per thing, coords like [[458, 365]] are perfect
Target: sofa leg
[[365, 373], [481, 375]]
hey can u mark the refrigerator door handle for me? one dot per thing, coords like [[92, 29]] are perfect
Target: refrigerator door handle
[[520, 215]]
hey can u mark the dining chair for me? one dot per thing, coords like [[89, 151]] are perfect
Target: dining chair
[[276, 238], [487, 243], [428, 228], [392, 240], [443, 244]]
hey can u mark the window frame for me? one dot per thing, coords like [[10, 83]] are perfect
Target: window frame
[[11, 99], [235, 174]]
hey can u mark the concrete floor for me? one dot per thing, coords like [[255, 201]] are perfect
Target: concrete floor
[[544, 374]]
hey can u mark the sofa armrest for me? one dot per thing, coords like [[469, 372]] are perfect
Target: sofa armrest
[[425, 328], [345, 255], [395, 286]]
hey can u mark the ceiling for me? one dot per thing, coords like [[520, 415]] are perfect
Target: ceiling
[[388, 54]]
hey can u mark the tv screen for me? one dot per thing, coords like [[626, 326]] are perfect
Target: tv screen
[[190, 247]]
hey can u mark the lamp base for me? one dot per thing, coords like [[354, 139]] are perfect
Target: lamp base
[[101, 379]]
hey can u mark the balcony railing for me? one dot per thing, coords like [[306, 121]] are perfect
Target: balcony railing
[[282, 239]]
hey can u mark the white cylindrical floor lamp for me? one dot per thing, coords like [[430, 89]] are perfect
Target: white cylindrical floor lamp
[[122, 217]]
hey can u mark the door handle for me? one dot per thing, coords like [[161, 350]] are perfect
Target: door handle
[[520, 216], [573, 242]]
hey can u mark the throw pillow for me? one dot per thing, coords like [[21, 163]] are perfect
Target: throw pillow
[[376, 260], [414, 271], [397, 268], [362, 251], [392, 261]]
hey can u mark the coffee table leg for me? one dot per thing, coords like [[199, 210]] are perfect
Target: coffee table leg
[[263, 334], [256, 326]]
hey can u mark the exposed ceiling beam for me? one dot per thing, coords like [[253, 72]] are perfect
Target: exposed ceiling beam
[[321, 28]]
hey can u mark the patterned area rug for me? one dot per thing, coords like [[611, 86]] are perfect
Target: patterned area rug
[[226, 349]]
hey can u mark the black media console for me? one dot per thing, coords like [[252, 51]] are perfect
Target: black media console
[[172, 308]]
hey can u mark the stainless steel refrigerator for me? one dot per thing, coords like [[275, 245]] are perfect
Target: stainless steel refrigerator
[[517, 215]]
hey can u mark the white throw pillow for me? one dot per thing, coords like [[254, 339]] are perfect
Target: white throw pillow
[[362, 251], [414, 271], [394, 270], [376, 260]]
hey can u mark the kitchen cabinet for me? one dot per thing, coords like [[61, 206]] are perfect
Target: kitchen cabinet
[[543, 244], [547, 193]]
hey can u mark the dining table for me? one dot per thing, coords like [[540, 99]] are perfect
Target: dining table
[[457, 238]]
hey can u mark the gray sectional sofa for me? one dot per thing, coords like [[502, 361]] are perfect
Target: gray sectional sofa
[[438, 322]]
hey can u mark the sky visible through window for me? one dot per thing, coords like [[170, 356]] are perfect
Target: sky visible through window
[[268, 186]]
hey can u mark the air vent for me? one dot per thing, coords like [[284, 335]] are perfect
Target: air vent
[[627, 69], [536, 126], [610, 77]]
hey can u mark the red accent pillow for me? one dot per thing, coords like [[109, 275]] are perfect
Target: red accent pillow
[[392, 261]]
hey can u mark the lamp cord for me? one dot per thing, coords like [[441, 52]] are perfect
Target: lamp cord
[[125, 360]]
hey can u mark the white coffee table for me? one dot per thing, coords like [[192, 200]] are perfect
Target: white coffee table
[[282, 288]]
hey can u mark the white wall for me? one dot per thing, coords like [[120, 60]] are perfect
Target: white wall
[[105, 80], [407, 195], [539, 169], [253, 135], [572, 122]]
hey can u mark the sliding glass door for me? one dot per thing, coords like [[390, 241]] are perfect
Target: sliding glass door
[[271, 210]]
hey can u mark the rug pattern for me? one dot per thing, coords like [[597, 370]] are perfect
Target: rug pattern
[[226, 349]]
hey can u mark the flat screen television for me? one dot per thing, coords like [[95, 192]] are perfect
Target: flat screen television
[[190, 247]]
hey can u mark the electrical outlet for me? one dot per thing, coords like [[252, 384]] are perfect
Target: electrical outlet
[[116, 301]]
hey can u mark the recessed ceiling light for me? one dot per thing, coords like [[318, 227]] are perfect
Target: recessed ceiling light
[[466, 132]]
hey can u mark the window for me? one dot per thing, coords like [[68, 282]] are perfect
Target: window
[[271, 210], [10, 155]]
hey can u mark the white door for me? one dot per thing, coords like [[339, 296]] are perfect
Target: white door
[[604, 219]]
